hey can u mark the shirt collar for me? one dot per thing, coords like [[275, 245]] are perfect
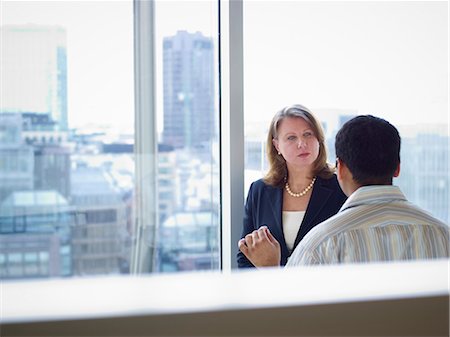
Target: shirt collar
[[374, 194]]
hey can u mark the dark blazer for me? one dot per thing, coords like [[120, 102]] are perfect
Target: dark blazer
[[264, 207]]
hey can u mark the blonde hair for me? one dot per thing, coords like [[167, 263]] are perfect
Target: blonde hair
[[278, 173]]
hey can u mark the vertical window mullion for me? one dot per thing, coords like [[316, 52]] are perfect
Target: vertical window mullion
[[145, 148], [232, 127]]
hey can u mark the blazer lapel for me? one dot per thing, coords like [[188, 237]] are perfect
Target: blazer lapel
[[320, 195], [275, 200]]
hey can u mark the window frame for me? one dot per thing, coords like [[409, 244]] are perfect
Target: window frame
[[145, 148], [231, 119], [231, 95]]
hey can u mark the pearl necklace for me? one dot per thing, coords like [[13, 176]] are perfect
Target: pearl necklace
[[302, 193]]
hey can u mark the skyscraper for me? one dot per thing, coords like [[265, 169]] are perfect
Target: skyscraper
[[16, 157], [424, 171], [188, 66], [34, 71]]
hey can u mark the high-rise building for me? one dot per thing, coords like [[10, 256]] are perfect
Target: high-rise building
[[34, 71], [51, 153], [35, 235], [99, 237], [189, 241], [188, 66], [16, 157], [424, 173]]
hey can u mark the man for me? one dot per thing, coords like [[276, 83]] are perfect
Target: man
[[376, 223]]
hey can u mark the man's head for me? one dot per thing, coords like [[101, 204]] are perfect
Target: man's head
[[369, 147]]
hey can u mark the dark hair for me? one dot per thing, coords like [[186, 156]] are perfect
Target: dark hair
[[370, 148], [277, 165]]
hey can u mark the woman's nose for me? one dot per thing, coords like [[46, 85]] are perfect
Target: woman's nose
[[301, 143]]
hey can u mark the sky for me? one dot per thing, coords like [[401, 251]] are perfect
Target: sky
[[99, 54], [381, 57]]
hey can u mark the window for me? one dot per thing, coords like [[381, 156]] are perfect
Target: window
[[68, 170], [71, 73], [340, 59], [183, 91], [68, 223]]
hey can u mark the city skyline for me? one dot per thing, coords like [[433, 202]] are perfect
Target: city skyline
[[90, 170], [34, 71], [188, 96], [416, 32]]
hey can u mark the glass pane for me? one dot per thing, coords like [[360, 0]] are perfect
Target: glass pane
[[66, 137], [67, 166], [188, 124], [341, 59]]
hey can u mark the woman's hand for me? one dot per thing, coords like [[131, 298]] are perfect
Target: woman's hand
[[261, 248]]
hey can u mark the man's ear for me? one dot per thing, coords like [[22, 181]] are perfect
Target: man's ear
[[345, 178], [397, 171], [341, 169]]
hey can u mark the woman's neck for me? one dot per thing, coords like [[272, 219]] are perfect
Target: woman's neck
[[299, 177]]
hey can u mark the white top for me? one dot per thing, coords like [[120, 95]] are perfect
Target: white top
[[291, 224]]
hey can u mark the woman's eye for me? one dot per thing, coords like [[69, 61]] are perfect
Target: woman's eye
[[292, 138], [307, 134]]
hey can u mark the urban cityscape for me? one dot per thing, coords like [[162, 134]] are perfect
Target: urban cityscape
[[67, 194]]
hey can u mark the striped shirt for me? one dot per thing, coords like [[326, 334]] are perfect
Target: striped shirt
[[376, 223]]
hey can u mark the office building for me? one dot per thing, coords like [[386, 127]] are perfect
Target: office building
[[188, 87], [35, 235], [51, 152], [100, 240], [34, 71], [188, 241], [424, 173], [16, 158]]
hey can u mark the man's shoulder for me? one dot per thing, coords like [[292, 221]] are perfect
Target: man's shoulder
[[358, 223], [422, 215], [371, 216]]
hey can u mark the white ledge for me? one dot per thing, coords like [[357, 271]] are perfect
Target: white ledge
[[174, 295]]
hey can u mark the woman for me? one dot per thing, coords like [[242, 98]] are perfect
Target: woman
[[300, 189]]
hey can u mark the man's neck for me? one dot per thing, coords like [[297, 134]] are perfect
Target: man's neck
[[357, 186]]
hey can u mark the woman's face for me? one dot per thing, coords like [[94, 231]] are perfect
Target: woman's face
[[297, 142]]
